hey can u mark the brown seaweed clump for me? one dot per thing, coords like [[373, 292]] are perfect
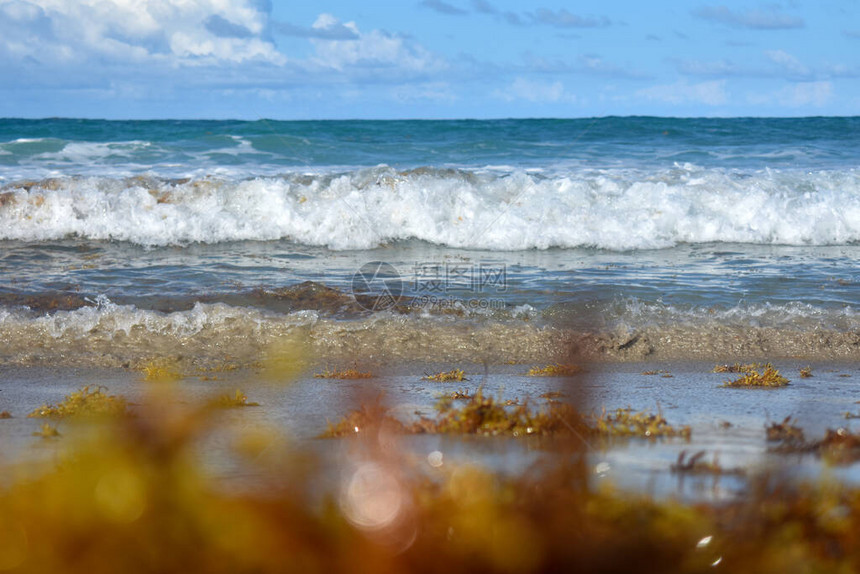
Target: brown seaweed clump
[[556, 370], [479, 414], [770, 377], [85, 402], [785, 432], [161, 371], [237, 399], [484, 415], [839, 446], [454, 375], [643, 424], [367, 417], [47, 431], [345, 374]]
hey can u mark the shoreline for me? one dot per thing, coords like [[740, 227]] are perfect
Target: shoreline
[[244, 343]]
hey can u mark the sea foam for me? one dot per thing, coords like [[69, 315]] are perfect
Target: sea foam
[[115, 335], [480, 209]]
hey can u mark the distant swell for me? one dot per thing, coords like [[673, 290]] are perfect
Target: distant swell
[[497, 210]]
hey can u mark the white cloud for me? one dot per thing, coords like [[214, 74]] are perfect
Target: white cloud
[[373, 50], [787, 62], [712, 93], [116, 45], [536, 91], [175, 32]]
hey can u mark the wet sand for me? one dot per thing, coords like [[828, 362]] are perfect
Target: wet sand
[[119, 337]]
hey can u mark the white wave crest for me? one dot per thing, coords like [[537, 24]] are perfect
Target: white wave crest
[[610, 209], [637, 314], [108, 319]]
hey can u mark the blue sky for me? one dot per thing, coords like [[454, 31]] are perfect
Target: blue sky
[[427, 58]]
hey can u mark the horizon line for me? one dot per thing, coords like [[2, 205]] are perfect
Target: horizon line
[[418, 119]]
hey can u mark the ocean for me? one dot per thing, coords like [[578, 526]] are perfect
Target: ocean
[[614, 239]]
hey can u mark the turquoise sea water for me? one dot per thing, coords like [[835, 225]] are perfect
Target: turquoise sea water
[[35, 147], [634, 228]]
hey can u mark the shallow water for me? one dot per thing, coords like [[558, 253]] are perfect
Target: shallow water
[[86, 302], [691, 396]]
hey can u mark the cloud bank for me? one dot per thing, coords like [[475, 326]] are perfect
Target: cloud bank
[[164, 32]]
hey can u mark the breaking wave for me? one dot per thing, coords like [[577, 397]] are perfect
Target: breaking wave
[[480, 209]]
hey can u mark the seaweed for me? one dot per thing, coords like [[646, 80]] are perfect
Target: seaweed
[[770, 377], [47, 431], [345, 374], [555, 370], [454, 375], [85, 402], [134, 498], [661, 372], [839, 446], [806, 372], [5, 415], [366, 417], [237, 399], [785, 432], [643, 424], [484, 415], [160, 371], [481, 414], [210, 372]]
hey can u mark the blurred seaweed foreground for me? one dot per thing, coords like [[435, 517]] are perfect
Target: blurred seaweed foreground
[[131, 495]]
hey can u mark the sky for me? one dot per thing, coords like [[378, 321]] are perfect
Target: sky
[[337, 59]]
